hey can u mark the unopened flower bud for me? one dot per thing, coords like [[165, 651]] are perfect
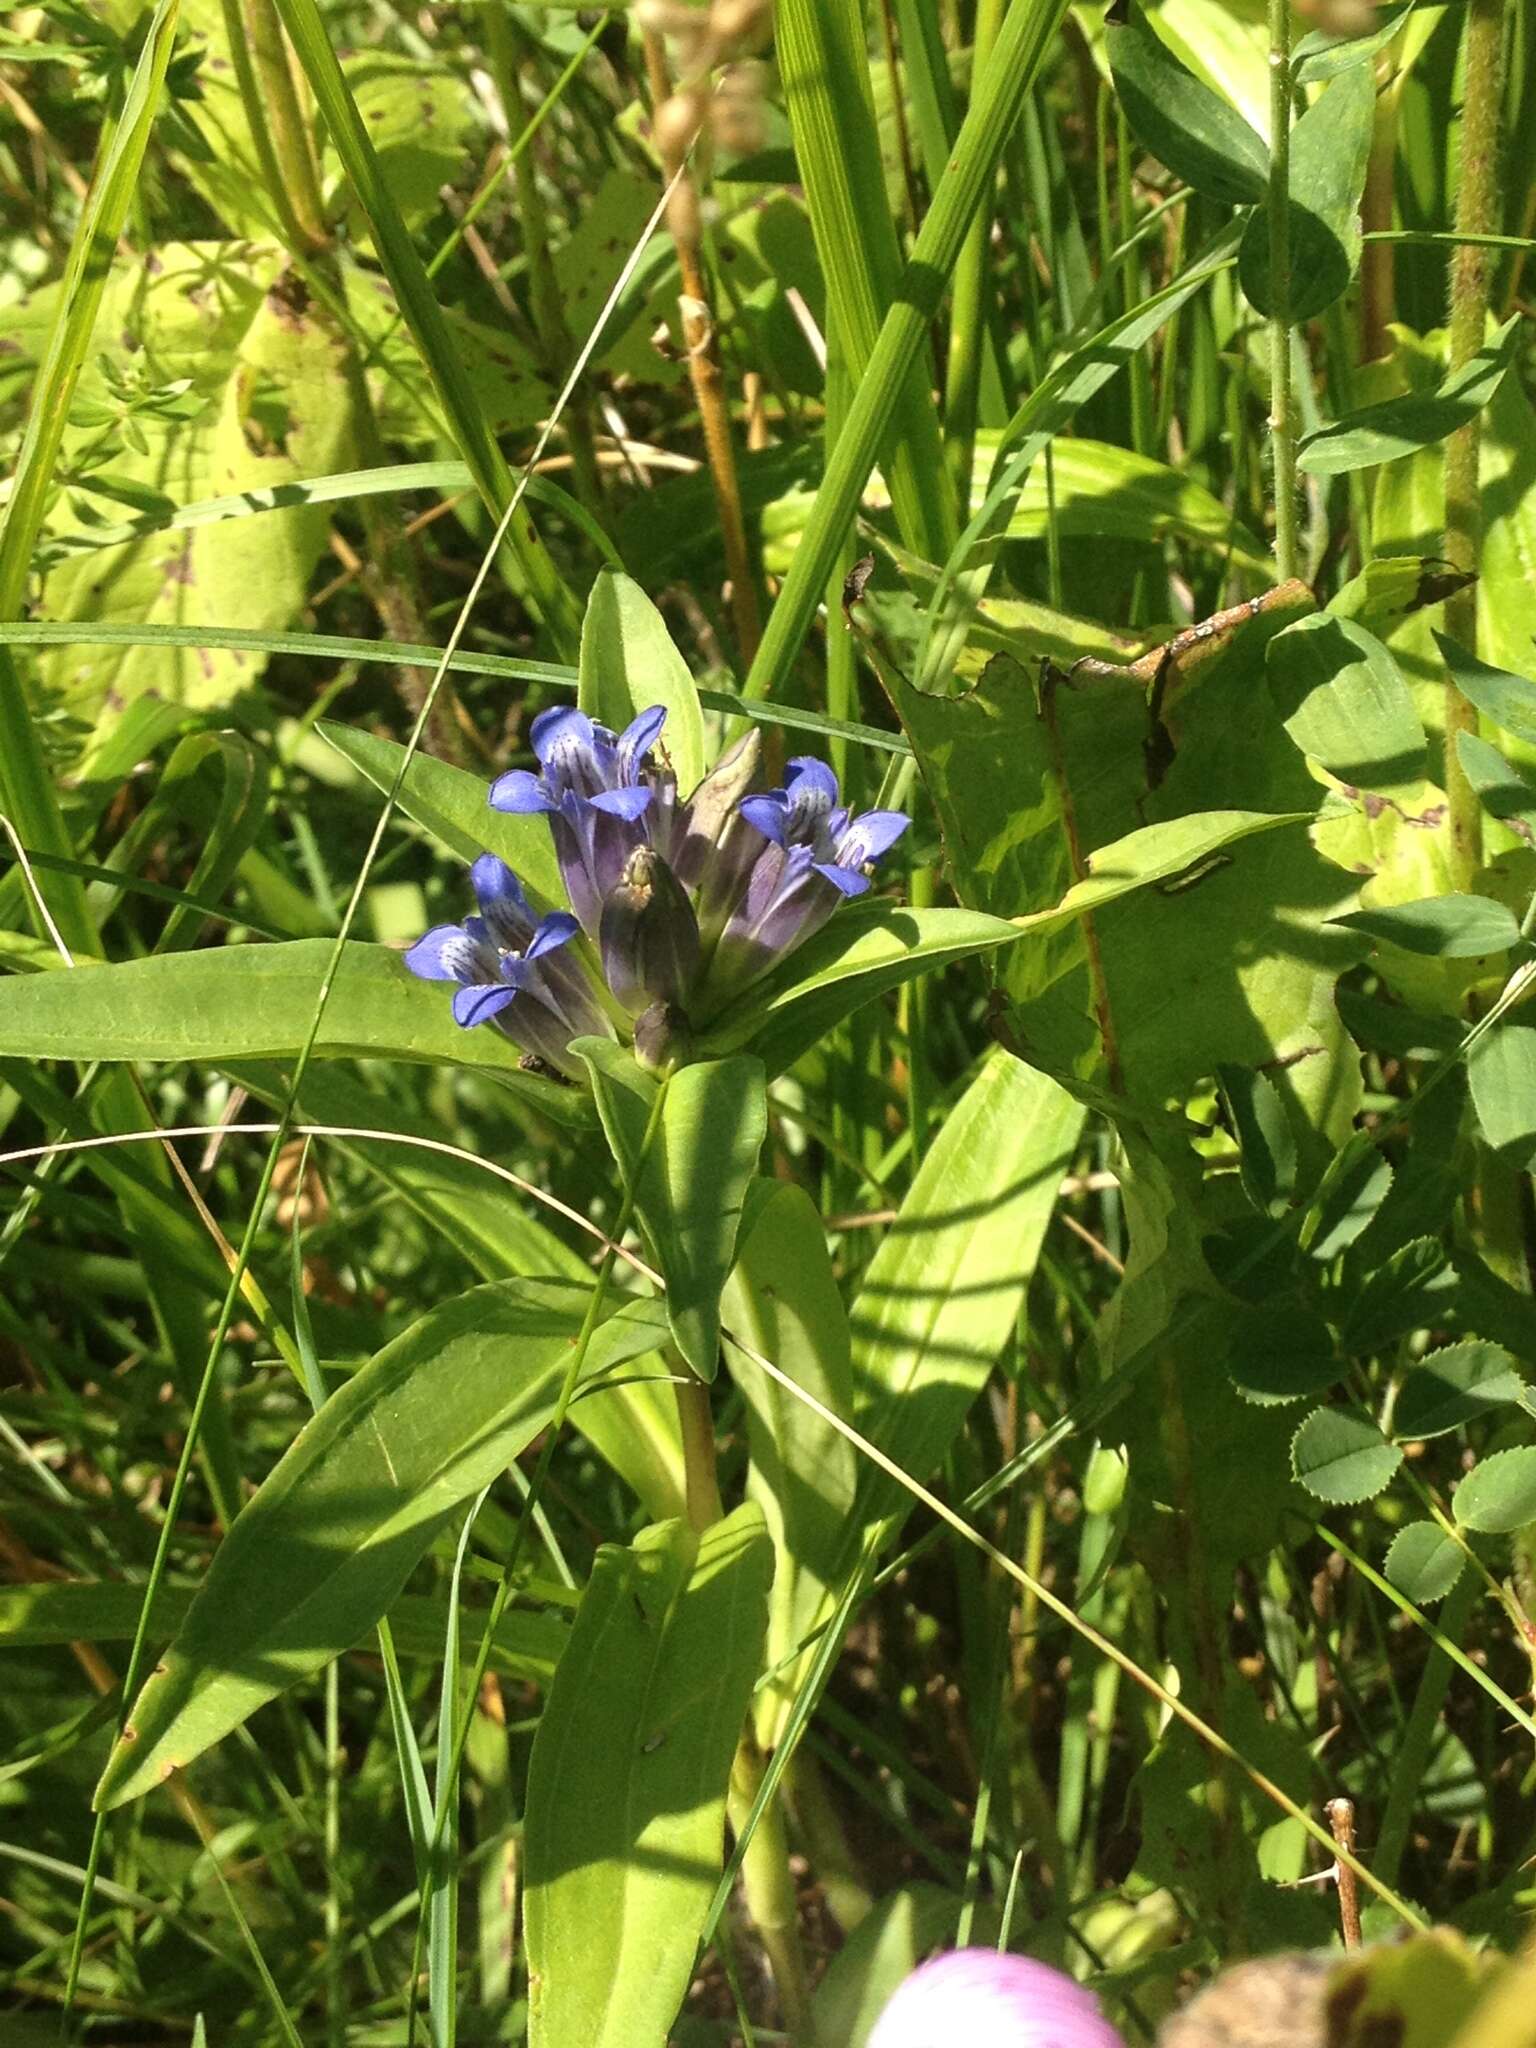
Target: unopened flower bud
[[649, 935]]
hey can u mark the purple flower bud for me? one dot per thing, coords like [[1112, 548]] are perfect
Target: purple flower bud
[[603, 796], [987, 2000], [649, 935], [511, 969]]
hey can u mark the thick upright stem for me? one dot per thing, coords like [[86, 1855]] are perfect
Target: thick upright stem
[[1477, 213], [701, 1488], [769, 1886], [1282, 396]]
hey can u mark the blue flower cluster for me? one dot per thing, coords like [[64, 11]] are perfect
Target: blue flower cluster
[[681, 905]]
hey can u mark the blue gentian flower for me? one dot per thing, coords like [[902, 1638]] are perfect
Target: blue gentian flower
[[510, 968], [680, 906], [604, 797], [814, 858]]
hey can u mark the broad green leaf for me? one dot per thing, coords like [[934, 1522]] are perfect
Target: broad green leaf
[[1277, 1353], [624, 1828], [1499, 1493], [629, 662], [1357, 1183], [1503, 793], [225, 312], [1154, 853], [1454, 927], [334, 1531], [690, 1181], [1399, 426], [861, 954], [783, 1300], [1412, 1290], [52, 1611], [1345, 703], [1509, 701], [1197, 133], [1330, 150], [255, 1002], [419, 117], [941, 1297], [1424, 1563], [455, 807], [1453, 1386], [1502, 1071], [1342, 1457], [1237, 965]]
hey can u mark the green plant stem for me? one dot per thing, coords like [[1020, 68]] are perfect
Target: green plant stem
[[700, 1484], [1282, 393], [769, 1886], [967, 325], [277, 121], [1025, 36], [1477, 213]]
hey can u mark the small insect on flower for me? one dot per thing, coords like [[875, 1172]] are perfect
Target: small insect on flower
[[987, 2000]]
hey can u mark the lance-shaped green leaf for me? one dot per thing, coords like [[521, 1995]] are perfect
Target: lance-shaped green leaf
[[1503, 793], [688, 1168], [1508, 700], [1323, 54], [628, 663], [1330, 150], [1155, 853], [58, 1611], [1398, 426], [625, 1821], [941, 1297], [1343, 700], [1454, 927], [454, 806], [336, 1528], [1502, 1071], [861, 954], [783, 1300], [255, 1002], [1200, 136]]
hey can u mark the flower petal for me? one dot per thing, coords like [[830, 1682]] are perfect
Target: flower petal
[[557, 929], [628, 803], [849, 881], [442, 955], [520, 792], [992, 2001], [637, 739], [557, 729], [870, 837], [502, 902], [768, 813], [473, 1006]]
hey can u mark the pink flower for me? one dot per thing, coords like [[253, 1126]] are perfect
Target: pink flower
[[975, 1998]]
